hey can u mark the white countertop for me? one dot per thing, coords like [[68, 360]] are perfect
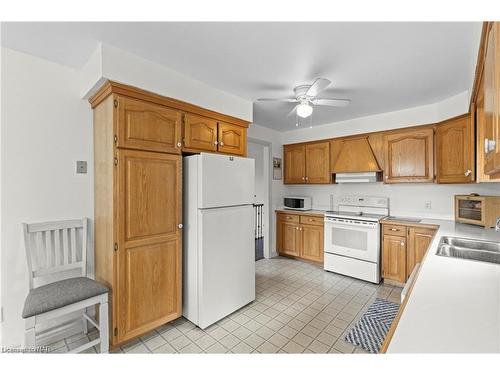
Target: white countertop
[[454, 306]]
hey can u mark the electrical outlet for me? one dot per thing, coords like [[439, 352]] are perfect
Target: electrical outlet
[[428, 205], [81, 166]]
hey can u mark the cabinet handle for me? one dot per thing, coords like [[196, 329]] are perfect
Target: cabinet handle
[[467, 172], [180, 226], [402, 243], [311, 220], [216, 143], [489, 145], [300, 229], [394, 229], [179, 144], [297, 228], [307, 178], [303, 178], [221, 143]]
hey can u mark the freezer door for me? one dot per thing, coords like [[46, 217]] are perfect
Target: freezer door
[[225, 180], [226, 262]]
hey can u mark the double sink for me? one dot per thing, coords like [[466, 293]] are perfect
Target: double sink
[[463, 248]]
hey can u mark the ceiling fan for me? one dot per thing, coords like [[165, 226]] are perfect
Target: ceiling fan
[[307, 96]]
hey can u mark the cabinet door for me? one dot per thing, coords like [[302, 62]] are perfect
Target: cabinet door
[[200, 133], [149, 241], [318, 163], [455, 150], [311, 242], [289, 238], [409, 156], [295, 164], [492, 100], [147, 126], [419, 240], [394, 258], [232, 139]]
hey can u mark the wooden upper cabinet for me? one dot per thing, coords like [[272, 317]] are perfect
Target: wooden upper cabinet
[[232, 139], [409, 156], [419, 240], [146, 126], [455, 150], [200, 133], [491, 76], [294, 164], [394, 258], [318, 163], [149, 241]]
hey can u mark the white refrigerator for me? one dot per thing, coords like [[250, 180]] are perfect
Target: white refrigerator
[[218, 248]]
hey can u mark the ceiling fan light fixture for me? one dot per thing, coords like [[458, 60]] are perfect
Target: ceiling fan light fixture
[[304, 110]]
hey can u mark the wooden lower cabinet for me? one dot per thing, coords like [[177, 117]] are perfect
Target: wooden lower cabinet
[[149, 241], [394, 258], [300, 236], [403, 246], [419, 240]]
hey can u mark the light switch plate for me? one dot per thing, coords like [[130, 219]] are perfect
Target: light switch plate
[[81, 166]]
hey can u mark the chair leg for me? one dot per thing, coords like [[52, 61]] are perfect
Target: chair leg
[[103, 326], [85, 323], [29, 333]]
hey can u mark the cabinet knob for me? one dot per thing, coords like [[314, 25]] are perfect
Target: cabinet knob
[[303, 178], [221, 143], [180, 226], [394, 229], [307, 178], [402, 243], [467, 172], [216, 143], [297, 228], [489, 145]]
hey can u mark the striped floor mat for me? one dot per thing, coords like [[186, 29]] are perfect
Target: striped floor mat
[[369, 332]]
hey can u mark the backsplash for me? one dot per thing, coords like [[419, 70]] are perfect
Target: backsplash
[[404, 199]]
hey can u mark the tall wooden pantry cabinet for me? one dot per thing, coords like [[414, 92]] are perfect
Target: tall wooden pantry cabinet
[[138, 213]]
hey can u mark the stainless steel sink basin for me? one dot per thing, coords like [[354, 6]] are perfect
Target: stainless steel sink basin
[[482, 251]]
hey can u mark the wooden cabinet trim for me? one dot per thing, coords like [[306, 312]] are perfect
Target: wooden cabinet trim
[[111, 87]]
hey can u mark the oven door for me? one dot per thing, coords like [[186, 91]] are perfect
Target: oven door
[[353, 238]]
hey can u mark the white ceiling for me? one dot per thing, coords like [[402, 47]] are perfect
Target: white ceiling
[[381, 67]]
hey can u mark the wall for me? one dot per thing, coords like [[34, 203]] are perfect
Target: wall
[[272, 138], [260, 153], [405, 199], [46, 127], [109, 62]]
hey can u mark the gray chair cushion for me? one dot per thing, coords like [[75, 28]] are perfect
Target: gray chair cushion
[[61, 293]]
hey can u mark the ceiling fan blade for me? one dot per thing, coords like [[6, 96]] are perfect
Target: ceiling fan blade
[[332, 102], [319, 85], [292, 112], [284, 100]]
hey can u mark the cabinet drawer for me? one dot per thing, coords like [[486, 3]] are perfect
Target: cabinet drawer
[[394, 230], [312, 220], [288, 218]]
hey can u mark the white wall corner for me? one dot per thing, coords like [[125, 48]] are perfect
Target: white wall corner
[[91, 77]]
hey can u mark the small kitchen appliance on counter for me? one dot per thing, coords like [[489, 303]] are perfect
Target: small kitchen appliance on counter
[[477, 209], [297, 203]]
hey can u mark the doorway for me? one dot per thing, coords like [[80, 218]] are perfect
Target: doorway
[[260, 152]]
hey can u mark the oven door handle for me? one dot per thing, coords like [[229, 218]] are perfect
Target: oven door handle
[[350, 225]]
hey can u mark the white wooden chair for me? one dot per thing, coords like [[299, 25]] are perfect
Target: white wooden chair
[[55, 252]]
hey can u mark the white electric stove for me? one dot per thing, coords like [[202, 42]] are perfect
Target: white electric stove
[[352, 237]]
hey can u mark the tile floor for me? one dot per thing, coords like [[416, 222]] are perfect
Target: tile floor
[[299, 308]]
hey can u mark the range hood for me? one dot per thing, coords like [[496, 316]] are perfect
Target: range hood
[[356, 162], [356, 177]]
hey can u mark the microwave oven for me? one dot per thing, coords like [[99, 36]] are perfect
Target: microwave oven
[[297, 203]]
